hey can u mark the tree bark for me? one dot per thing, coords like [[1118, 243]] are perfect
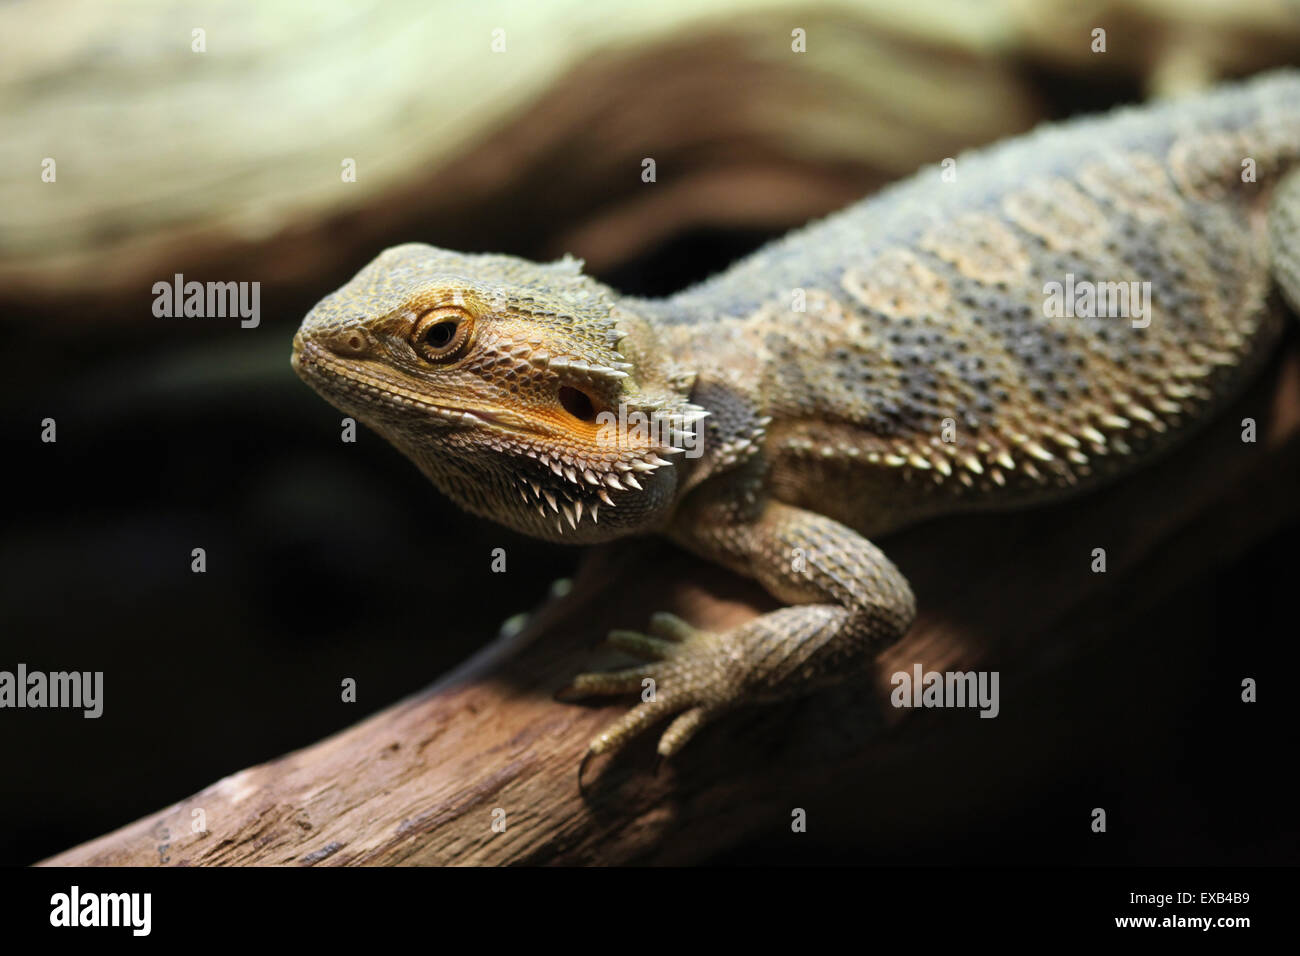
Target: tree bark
[[423, 781]]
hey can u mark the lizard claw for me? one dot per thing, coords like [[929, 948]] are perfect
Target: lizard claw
[[687, 678]]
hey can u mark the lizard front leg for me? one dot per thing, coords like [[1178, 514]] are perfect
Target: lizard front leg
[[847, 599]]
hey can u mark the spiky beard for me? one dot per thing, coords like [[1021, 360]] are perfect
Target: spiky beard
[[564, 491]]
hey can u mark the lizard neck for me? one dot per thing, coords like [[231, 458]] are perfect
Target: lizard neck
[[722, 373]]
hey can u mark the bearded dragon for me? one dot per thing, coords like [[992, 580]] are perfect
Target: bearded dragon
[[1026, 322]]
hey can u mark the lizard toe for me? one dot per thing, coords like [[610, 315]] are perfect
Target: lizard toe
[[670, 627], [625, 681], [640, 645], [683, 728]]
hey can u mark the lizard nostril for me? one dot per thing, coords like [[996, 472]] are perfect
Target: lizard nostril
[[352, 342]]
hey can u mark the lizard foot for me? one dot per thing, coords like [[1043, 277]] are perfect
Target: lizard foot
[[695, 675], [691, 675]]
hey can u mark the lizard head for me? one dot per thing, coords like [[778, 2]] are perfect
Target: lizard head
[[528, 393]]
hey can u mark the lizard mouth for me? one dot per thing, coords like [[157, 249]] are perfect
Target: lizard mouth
[[350, 383]]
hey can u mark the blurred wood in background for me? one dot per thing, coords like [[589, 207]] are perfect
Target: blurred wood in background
[[227, 163]]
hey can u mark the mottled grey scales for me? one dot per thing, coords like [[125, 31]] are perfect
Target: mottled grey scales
[[891, 363]]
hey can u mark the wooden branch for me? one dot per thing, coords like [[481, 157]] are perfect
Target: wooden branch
[[419, 783]]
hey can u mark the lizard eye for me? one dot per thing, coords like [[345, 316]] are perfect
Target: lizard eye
[[442, 334]]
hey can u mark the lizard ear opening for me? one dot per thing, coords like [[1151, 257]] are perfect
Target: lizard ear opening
[[577, 403]]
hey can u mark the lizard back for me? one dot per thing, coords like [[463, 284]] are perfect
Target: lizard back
[[1022, 322]]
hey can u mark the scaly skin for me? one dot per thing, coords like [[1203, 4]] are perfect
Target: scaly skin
[[921, 377]]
